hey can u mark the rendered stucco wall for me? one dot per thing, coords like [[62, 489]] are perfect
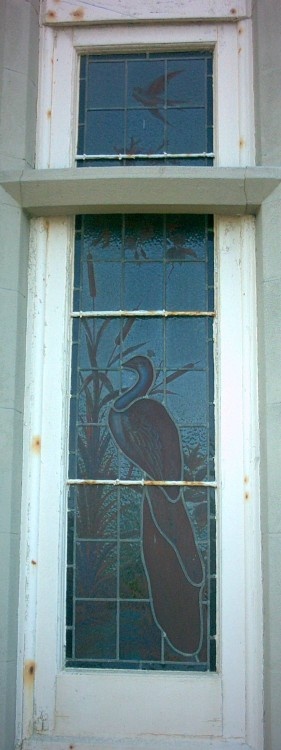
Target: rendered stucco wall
[[18, 84], [267, 51]]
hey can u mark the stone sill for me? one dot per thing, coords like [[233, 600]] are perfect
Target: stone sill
[[160, 189]]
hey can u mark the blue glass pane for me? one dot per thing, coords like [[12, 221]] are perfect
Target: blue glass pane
[[145, 337], [186, 286], [210, 101], [146, 84], [105, 132], [104, 293], [97, 455], [195, 445], [96, 570], [77, 262], [186, 237], [130, 512], [95, 386], [136, 619], [145, 132], [82, 100], [210, 137], [143, 237], [186, 131], [83, 64], [106, 85], [143, 286], [187, 403], [186, 343], [97, 342], [98, 163], [102, 237], [186, 82]]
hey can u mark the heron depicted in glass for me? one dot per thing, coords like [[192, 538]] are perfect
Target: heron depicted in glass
[[145, 432]]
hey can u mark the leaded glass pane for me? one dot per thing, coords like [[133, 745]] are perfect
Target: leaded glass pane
[[141, 557], [145, 108]]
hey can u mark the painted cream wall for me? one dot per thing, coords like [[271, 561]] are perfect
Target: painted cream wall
[[18, 75], [267, 52], [18, 78]]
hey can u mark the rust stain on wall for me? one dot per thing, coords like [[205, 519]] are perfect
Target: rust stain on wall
[[51, 15], [49, 113], [36, 444], [242, 143], [247, 495], [78, 13], [233, 11], [29, 673]]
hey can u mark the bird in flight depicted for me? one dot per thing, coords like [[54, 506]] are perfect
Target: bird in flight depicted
[[153, 96], [147, 435]]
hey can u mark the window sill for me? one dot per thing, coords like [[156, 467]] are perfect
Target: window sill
[[223, 190], [145, 743]]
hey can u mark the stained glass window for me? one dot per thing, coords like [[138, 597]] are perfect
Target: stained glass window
[[148, 108], [141, 567]]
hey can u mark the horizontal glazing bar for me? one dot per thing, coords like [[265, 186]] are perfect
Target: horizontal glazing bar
[[133, 157], [142, 314], [140, 483]]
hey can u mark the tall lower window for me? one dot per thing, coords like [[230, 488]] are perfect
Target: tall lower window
[[141, 512]]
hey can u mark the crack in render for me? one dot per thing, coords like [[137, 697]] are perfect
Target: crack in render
[[102, 6]]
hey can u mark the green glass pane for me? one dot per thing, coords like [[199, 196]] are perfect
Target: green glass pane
[[95, 630], [96, 570], [133, 581], [96, 512]]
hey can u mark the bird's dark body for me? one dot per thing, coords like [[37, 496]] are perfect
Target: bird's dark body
[[147, 435], [176, 601], [153, 96], [145, 432]]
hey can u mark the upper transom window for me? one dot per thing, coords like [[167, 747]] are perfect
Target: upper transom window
[[146, 108]]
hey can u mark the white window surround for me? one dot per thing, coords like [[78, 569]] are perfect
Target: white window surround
[[73, 12], [233, 101], [98, 709]]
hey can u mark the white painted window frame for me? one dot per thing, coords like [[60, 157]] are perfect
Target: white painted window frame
[[173, 710]]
